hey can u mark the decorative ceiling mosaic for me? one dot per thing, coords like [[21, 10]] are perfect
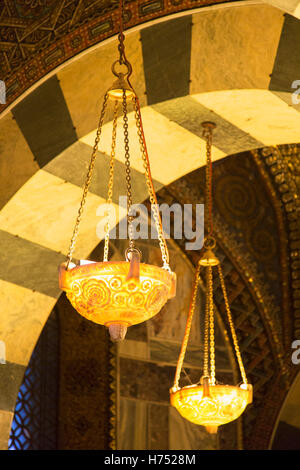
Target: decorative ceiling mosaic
[[38, 35], [46, 137]]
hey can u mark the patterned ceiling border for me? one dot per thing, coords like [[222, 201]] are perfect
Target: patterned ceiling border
[[70, 30], [284, 256], [280, 167]]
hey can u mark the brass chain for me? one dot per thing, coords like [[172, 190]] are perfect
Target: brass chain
[[207, 134], [87, 181], [128, 172], [152, 196], [209, 292], [111, 181], [206, 330], [231, 324], [121, 37], [121, 48], [187, 327]]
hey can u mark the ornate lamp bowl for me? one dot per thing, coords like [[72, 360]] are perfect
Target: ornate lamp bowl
[[105, 293], [224, 403]]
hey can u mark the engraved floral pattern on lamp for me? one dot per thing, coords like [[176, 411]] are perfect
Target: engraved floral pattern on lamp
[[101, 292], [225, 403]]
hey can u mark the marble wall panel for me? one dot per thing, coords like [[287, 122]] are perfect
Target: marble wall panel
[[228, 45], [145, 380], [158, 426], [45, 121], [17, 162], [168, 352], [72, 165], [166, 54], [173, 150], [286, 64], [260, 113], [11, 376], [5, 424], [24, 314], [137, 332], [133, 349], [85, 81], [188, 113], [133, 425], [184, 435], [44, 211]]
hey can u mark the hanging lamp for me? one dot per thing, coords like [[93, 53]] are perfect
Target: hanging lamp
[[119, 294], [208, 402]]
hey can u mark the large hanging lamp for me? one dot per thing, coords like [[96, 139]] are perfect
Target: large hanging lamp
[[208, 402], [119, 294]]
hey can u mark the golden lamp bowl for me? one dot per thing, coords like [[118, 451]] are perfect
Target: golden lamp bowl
[[103, 293], [225, 403]]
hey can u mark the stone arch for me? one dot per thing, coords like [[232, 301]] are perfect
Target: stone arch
[[46, 138]]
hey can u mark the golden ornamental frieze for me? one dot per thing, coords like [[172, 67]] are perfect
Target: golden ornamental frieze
[[281, 165]]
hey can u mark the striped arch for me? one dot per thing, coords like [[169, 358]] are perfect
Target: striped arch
[[289, 6], [229, 63]]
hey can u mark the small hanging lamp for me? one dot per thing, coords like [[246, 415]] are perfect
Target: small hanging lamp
[[119, 294], [209, 403]]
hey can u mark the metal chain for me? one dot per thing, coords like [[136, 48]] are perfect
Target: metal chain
[[121, 46], [87, 181], [152, 195], [209, 292], [121, 36], [207, 134], [187, 327], [111, 181], [231, 324], [209, 335], [128, 172], [121, 39], [206, 330]]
